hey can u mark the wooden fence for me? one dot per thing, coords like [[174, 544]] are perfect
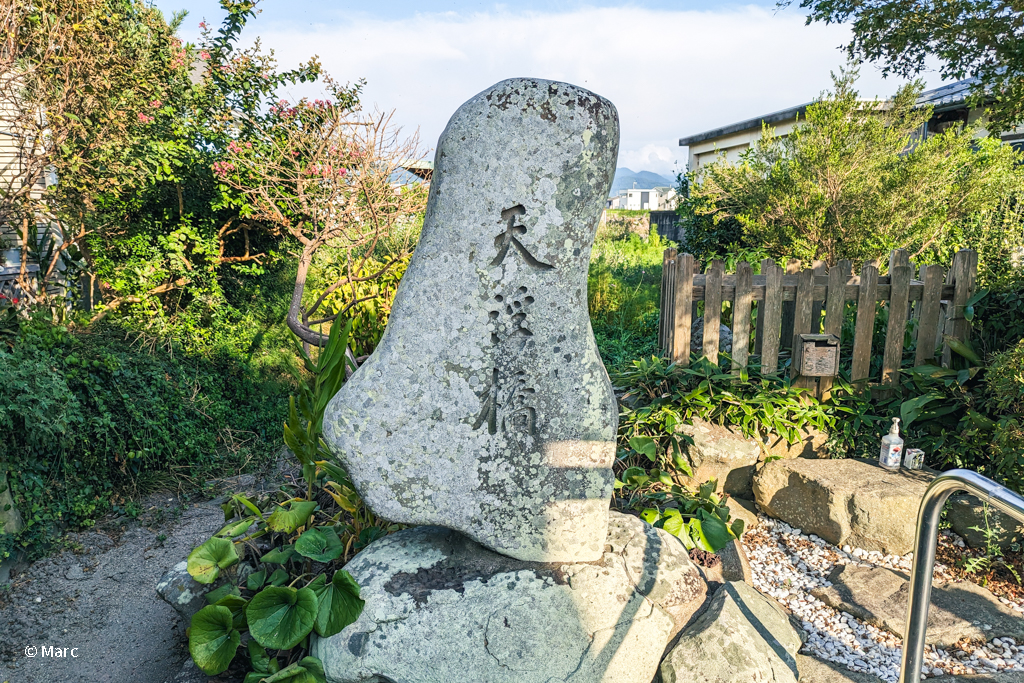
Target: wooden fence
[[784, 305]]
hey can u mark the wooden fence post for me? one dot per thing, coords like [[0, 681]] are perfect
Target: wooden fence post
[[820, 270], [766, 264], [964, 272], [788, 308], [682, 319], [772, 317], [899, 296], [928, 307], [663, 310], [835, 308], [741, 316], [713, 308], [802, 311], [865, 324]]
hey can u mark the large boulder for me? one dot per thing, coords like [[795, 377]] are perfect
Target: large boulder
[[485, 408], [958, 610], [811, 444], [10, 519], [439, 607], [742, 637], [850, 501], [723, 454]]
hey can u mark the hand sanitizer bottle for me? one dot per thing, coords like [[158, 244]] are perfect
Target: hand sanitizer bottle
[[892, 447]]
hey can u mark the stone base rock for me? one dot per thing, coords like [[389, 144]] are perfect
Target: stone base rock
[[439, 607], [811, 445], [722, 454], [742, 637], [958, 609], [814, 670], [697, 337], [186, 595], [850, 501]]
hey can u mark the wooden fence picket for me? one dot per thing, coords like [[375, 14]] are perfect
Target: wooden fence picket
[[683, 295], [713, 308], [929, 307], [741, 315], [899, 278], [835, 309], [865, 326], [772, 318]]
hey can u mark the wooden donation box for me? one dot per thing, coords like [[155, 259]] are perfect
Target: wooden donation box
[[819, 355]]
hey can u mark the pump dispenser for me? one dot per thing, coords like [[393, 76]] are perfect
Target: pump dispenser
[[892, 447]]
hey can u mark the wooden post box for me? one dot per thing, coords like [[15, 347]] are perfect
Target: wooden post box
[[820, 355]]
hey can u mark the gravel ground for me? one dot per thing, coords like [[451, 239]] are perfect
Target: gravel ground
[[96, 605], [787, 565]]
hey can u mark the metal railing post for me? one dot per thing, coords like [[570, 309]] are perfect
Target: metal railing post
[[925, 543]]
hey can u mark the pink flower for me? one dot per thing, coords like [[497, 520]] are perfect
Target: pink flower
[[202, 24], [144, 119], [155, 103], [204, 55]]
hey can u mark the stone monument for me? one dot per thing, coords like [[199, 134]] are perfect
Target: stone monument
[[485, 409]]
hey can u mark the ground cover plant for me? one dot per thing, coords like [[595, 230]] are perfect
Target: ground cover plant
[[296, 537]]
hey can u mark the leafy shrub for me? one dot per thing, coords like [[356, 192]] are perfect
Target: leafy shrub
[[90, 419]]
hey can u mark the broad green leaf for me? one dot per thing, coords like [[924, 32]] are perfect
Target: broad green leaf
[[213, 639], [206, 561], [217, 593], [635, 477], [737, 528], [672, 522], [278, 578], [279, 555], [236, 528], [258, 657], [280, 617], [248, 504], [339, 604], [306, 670], [256, 580], [963, 348], [287, 521], [237, 606], [911, 410], [645, 445], [320, 543], [714, 530], [334, 473], [650, 515]]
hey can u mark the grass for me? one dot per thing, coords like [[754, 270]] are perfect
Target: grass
[[623, 290]]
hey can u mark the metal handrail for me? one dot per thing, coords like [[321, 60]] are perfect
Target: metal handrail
[[925, 542]]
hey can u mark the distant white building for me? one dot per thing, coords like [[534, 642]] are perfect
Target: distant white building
[[639, 199]]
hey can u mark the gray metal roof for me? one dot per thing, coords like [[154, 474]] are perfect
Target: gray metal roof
[[946, 97]]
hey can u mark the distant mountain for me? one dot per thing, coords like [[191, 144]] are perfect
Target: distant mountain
[[624, 179]]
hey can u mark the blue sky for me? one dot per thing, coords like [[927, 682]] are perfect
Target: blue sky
[[671, 68]]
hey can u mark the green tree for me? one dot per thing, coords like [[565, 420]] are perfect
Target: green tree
[[856, 181], [979, 38]]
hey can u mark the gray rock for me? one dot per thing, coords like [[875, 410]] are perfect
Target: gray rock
[[849, 501], [735, 563], [697, 337], [442, 608], [722, 454], [814, 670], [966, 515], [743, 636], [958, 609], [485, 408], [179, 590]]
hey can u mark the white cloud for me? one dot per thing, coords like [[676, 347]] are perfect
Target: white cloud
[[669, 73]]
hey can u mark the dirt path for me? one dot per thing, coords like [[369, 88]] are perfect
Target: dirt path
[[96, 604]]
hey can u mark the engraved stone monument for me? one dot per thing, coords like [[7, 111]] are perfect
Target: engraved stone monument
[[485, 408]]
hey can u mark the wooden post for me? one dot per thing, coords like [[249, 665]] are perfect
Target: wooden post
[[713, 308], [802, 311], [835, 309], [772, 318], [964, 272], [670, 308], [663, 310], [683, 309], [766, 264], [929, 307], [899, 295], [820, 270], [865, 324], [741, 316], [792, 268]]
